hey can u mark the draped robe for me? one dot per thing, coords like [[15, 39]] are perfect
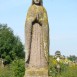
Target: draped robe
[[37, 37]]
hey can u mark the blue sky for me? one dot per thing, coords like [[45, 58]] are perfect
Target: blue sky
[[62, 17]]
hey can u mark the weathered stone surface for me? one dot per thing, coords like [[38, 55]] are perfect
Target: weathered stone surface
[[37, 56], [37, 40], [42, 72]]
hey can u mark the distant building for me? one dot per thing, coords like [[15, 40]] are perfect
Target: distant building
[[58, 55]]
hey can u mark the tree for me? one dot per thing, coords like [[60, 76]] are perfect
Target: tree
[[72, 57], [10, 45]]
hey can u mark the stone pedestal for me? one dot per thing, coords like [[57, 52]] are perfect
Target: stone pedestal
[[36, 72]]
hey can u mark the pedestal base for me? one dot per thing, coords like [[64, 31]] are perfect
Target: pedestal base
[[39, 72]]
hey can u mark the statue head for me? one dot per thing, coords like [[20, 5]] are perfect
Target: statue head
[[37, 2]]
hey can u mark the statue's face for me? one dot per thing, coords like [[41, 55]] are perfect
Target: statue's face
[[37, 1]]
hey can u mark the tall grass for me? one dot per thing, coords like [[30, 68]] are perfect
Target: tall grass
[[15, 69]]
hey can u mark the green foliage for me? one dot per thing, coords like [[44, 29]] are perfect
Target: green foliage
[[10, 45], [65, 71], [15, 69], [18, 67], [52, 64], [70, 72]]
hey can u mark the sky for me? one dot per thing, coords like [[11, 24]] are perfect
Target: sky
[[62, 17]]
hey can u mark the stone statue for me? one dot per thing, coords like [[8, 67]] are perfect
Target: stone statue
[[37, 36]]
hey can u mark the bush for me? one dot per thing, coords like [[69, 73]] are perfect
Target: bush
[[70, 72], [15, 69], [18, 68], [65, 71]]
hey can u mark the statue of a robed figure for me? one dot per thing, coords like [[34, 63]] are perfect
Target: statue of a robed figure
[[37, 40]]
